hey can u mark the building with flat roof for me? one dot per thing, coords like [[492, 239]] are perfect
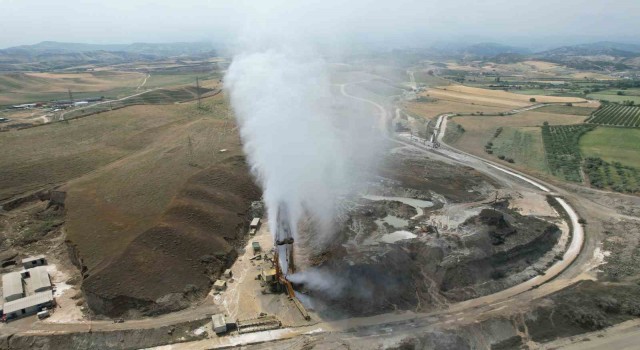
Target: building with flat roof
[[38, 280], [12, 287], [219, 323], [29, 305], [26, 292], [34, 261]]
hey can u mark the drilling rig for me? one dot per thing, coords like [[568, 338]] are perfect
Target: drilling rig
[[283, 256]]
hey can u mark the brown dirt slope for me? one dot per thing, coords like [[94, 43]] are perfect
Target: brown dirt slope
[[185, 252]]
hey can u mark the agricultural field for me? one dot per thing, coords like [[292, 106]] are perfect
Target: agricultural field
[[432, 109], [617, 115], [620, 145], [16, 88], [519, 140], [523, 145], [614, 176], [569, 110], [617, 95], [157, 80], [152, 97], [495, 98], [561, 144]]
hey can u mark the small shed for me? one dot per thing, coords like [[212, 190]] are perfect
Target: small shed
[[228, 273], [219, 323], [256, 247], [269, 275], [220, 285], [34, 261]]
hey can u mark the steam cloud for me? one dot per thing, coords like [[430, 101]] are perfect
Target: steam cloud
[[297, 146]]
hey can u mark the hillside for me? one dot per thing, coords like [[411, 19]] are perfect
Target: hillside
[[50, 55], [604, 56]]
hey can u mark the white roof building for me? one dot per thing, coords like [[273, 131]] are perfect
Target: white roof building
[[32, 261], [39, 280], [12, 287], [30, 302]]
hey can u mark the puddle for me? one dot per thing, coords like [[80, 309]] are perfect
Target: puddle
[[393, 221], [418, 204], [397, 236]]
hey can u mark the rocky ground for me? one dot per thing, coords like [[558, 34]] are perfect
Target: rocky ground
[[401, 246]]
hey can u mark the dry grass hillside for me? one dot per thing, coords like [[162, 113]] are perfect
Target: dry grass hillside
[[149, 196]]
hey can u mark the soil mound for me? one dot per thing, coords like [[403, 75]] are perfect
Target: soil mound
[[177, 260]]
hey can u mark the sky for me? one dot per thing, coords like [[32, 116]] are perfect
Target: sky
[[401, 23]]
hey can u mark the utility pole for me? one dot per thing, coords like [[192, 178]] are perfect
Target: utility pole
[[198, 91], [190, 158], [70, 95]]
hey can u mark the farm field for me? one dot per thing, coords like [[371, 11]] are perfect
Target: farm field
[[16, 88], [613, 145], [613, 176], [617, 115], [522, 144], [168, 79], [562, 149], [430, 80], [570, 110], [613, 97], [431, 109], [519, 132], [496, 98]]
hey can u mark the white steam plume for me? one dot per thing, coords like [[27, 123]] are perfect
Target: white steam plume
[[299, 148], [282, 100]]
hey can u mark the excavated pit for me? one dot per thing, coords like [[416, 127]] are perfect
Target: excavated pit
[[427, 234]]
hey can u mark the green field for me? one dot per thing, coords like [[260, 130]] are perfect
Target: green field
[[617, 115], [613, 145], [561, 144], [564, 109], [170, 79], [613, 97], [614, 176], [524, 145]]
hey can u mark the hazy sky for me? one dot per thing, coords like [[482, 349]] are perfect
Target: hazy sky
[[405, 22]]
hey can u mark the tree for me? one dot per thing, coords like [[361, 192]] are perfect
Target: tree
[[533, 99]]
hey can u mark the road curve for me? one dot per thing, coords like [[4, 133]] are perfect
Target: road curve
[[577, 231]]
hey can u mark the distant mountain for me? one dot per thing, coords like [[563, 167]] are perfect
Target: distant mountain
[[164, 49], [493, 49], [595, 49], [57, 55], [480, 51], [604, 55]]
